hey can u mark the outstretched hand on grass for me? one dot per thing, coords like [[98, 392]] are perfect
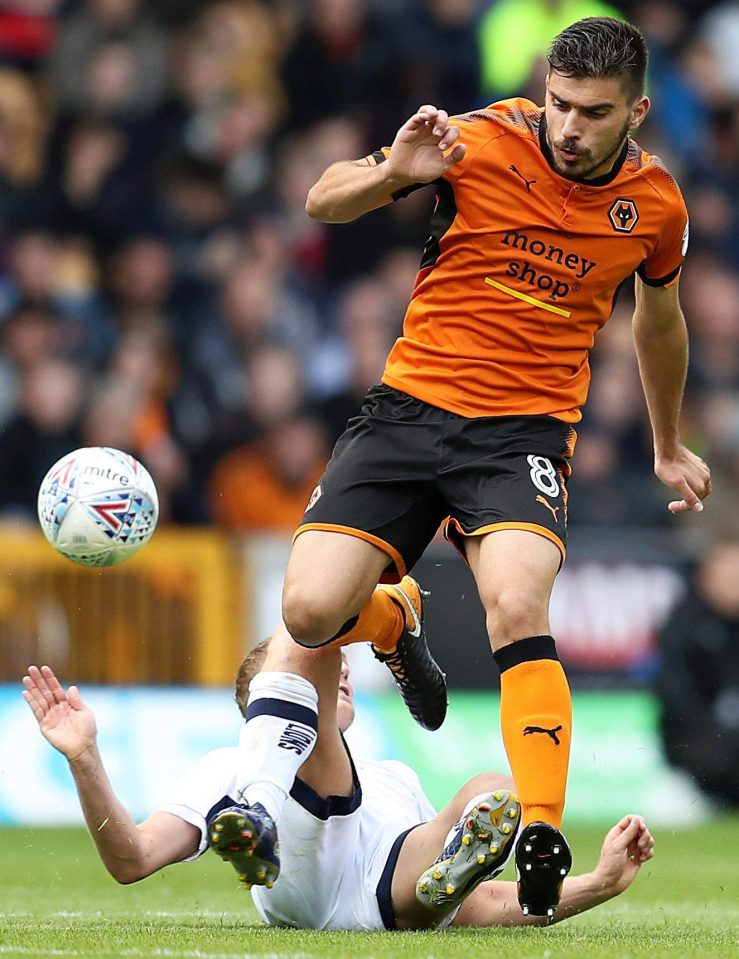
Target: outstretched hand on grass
[[627, 846], [63, 718]]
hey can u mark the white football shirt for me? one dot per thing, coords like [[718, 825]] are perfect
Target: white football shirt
[[334, 852]]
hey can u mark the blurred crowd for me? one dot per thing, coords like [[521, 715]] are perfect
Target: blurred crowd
[[163, 291]]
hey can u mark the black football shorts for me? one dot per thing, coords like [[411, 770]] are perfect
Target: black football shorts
[[403, 467]]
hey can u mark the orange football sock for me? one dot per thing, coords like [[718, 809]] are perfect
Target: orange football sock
[[536, 721], [380, 622]]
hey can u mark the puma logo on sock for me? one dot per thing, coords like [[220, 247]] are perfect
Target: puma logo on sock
[[528, 730]]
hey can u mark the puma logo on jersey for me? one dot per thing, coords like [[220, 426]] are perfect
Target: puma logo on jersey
[[552, 509], [529, 183], [528, 730]]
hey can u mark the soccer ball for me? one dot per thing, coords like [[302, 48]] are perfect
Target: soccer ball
[[98, 506]]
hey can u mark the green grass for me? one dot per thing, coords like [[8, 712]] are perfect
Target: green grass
[[57, 900]]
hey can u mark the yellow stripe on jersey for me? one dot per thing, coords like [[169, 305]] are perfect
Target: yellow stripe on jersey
[[526, 298]]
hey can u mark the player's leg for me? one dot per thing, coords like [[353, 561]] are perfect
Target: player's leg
[[469, 841], [329, 585], [373, 513], [349, 608], [515, 571], [509, 519], [292, 701], [370, 511], [291, 727], [325, 768]]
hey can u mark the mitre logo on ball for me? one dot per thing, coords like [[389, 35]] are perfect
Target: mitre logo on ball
[[98, 506]]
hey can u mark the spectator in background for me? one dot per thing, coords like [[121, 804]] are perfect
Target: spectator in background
[[24, 123], [95, 189], [699, 683], [714, 223], [367, 327], [513, 34], [228, 70], [116, 45], [28, 31], [338, 63], [157, 178], [318, 257], [613, 432], [679, 104], [28, 336], [44, 428], [59, 278], [264, 487], [130, 409], [141, 281], [436, 57], [190, 205], [272, 390], [255, 308], [711, 295], [720, 30], [28, 278]]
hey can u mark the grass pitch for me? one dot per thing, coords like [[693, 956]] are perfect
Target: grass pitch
[[57, 900]]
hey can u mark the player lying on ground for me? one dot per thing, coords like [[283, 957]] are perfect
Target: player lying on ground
[[355, 837], [541, 214]]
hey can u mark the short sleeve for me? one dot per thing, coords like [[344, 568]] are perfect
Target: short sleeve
[[203, 787], [662, 266], [476, 130]]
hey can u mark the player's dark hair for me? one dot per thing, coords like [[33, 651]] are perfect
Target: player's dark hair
[[602, 47], [252, 664]]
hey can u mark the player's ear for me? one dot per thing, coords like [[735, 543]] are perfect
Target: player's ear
[[638, 112]]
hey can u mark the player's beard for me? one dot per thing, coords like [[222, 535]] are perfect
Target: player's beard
[[587, 162]]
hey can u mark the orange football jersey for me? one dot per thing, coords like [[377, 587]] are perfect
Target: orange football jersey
[[522, 268]]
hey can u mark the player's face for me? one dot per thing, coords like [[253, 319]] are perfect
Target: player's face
[[345, 702], [588, 119]]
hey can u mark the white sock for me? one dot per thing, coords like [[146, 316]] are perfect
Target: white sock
[[279, 734]]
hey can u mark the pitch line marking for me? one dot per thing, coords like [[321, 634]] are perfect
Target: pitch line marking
[[526, 298], [135, 953]]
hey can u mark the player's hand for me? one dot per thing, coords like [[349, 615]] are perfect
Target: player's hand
[[625, 849], [688, 475], [63, 718], [424, 147]]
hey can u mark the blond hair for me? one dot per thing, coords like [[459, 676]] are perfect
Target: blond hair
[[25, 124], [251, 665]]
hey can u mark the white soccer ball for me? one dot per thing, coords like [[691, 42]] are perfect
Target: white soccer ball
[[98, 506]]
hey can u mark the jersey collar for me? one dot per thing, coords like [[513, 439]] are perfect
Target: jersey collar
[[599, 180]]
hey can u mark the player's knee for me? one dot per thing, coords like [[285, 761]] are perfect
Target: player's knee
[[487, 783], [516, 615], [308, 616]]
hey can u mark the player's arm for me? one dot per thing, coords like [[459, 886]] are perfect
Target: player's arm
[[626, 847], [422, 151], [128, 851], [661, 341]]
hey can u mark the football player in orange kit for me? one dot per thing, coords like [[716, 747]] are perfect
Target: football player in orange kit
[[540, 215]]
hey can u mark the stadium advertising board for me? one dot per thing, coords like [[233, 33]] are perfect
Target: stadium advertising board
[[150, 737]]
